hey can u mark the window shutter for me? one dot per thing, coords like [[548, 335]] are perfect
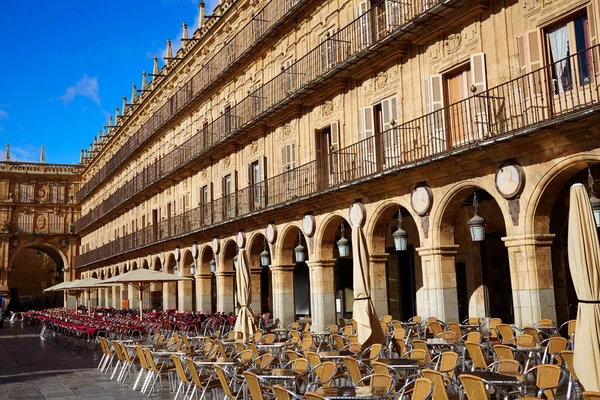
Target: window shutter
[[478, 72], [335, 136], [531, 59], [392, 14], [284, 159], [293, 155], [389, 112], [263, 167], [435, 120], [363, 25], [389, 137], [367, 120], [592, 8], [250, 181]]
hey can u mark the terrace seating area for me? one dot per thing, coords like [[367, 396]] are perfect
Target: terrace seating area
[[193, 355]]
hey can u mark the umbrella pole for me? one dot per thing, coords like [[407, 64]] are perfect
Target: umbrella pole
[[141, 303], [89, 302]]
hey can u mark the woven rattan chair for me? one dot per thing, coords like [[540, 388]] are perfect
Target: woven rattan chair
[[156, 371], [299, 364], [313, 358], [338, 341], [355, 374], [455, 327], [254, 387], [282, 393], [226, 381], [503, 352], [530, 330], [566, 361], [474, 387], [184, 381], [416, 354], [493, 327], [554, 346], [313, 396], [264, 361], [507, 333], [322, 375], [439, 382], [477, 357], [422, 389], [473, 337], [421, 345], [549, 377], [383, 381], [145, 369], [507, 367], [591, 395], [448, 361]]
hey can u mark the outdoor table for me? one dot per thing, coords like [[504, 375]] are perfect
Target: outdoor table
[[168, 353], [281, 333], [351, 392], [548, 330], [528, 353], [322, 337], [274, 347], [216, 361], [399, 365], [335, 354], [288, 376], [438, 344], [412, 327], [470, 327], [498, 379]]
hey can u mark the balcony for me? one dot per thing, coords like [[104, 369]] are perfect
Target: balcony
[[262, 26], [350, 49], [518, 107]]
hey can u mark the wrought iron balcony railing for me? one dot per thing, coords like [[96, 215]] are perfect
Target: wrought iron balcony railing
[[234, 51], [560, 92], [375, 27]]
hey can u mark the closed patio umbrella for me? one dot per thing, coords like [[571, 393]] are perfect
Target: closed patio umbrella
[[141, 279], [368, 328], [245, 323], [584, 263]]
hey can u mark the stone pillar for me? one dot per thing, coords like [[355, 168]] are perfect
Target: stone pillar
[[203, 292], [108, 297], [116, 297], [146, 299], [225, 291], [379, 295], [169, 295], [530, 258], [185, 295], [133, 295], [255, 287], [284, 305], [322, 294], [438, 298]]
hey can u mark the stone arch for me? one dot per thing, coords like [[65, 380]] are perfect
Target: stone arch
[[157, 264], [144, 264], [287, 240], [206, 293], [228, 251], [262, 299], [325, 236], [186, 289], [546, 189], [206, 254], [57, 255], [385, 211], [443, 215], [170, 289], [186, 263]]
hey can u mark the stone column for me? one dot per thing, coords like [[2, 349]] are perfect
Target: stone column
[[379, 296], [133, 295], [169, 295], [255, 287], [108, 297], [530, 258], [322, 294], [284, 305], [185, 296], [116, 297], [438, 298], [203, 292], [225, 291]]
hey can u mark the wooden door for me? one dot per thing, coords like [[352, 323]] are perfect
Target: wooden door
[[457, 87]]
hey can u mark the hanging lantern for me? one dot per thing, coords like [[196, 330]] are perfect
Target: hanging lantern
[[193, 268], [400, 235], [594, 201], [343, 244], [213, 266], [477, 224], [265, 257], [175, 270], [299, 250]]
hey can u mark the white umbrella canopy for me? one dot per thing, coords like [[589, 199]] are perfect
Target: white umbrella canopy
[[88, 285], [368, 327], [584, 263], [141, 279], [245, 322], [58, 287]]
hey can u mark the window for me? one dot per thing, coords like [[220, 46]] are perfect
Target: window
[[456, 106], [380, 144], [562, 41], [55, 223], [228, 195], [330, 163], [26, 193], [328, 50], [256, 98], [57, 194], [204, 202], [288, 77], [25, 222], [228, 119], [257, 182], [288, 164], [288, 156], [364, 25]]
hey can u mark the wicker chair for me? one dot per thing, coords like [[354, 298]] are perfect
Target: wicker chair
[[313, 396], [225, 382], [353, 369], [254, 387], [591, 395], [506, 332], [322, 375], [439, 381], [282, 393], [477, 357], [474, 387], [503, 352], [420, 388], [184, 381], [549, 377], [553, 346], [383, 381]]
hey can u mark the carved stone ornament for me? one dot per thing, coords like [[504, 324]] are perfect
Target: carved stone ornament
[[227, 161], [14, 242], [40, 222], [309, 225], [381, 80], [327, 108], [271, 233], [254, 147], [421, 199], [453, 43], [64, 242], [510, 180]]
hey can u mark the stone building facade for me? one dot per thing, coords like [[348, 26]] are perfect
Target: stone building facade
[[37, 234], [276, 116]]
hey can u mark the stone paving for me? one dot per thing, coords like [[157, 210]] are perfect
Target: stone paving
[[34, 368]]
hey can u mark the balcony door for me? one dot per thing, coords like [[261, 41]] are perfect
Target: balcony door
[[257, 183], [327, 142]]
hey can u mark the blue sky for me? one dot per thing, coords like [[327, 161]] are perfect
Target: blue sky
[[66, 64]]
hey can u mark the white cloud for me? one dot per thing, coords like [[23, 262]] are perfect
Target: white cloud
[[3, 114], [27, 153], [85, 87]]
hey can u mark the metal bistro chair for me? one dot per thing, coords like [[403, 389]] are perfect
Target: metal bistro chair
[[225, 384], [384, 381], [440, 382], [548, 379]]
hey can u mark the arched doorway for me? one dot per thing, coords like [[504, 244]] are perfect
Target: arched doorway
[[186, 289], [33, 268], [482, 269], [403, 267], [262, 293], [551, 217], [336, 228], [227, 288], [170, 292], [206, 292], [156, 290]]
